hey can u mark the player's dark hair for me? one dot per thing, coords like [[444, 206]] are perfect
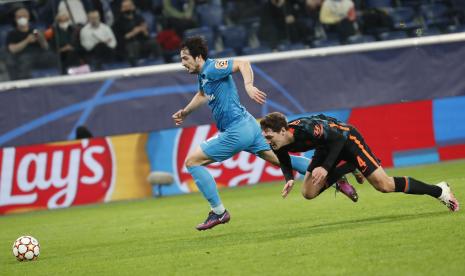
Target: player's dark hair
[[197, 46], [274, 121]]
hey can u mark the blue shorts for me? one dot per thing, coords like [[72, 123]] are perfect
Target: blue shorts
[[245, 136]]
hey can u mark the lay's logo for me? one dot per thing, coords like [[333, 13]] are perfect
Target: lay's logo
[[56, 175]]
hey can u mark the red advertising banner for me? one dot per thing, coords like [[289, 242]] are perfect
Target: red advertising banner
[[56, 175]]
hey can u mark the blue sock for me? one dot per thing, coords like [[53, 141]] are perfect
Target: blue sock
[[300, 164], [206, 184]]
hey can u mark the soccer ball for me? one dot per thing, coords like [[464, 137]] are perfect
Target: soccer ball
[[26, 248]]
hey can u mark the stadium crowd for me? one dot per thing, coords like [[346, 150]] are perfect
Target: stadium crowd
[[51, 37]]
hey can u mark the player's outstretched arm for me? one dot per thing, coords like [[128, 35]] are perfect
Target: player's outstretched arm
[[287, 188], [247, 74], [286, 168], [196, 101]]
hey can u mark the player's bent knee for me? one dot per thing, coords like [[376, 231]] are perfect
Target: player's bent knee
[[309, 195], [191, 161], [197, 160]]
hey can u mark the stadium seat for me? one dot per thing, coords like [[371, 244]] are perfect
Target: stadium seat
[[392, 35], [458, 10], [404, 18], [252, 25], [250, 22], [205, 32], [42, 73], [456, 28], [210, 15], [234, 37], [355, 39], [328, 35], [378, 3], [256, 50], [435, 14], [411, 3], [115, 65], [291, 46], [426, 32], [150, 61], [4, 30], [325, 43], [228, 52]]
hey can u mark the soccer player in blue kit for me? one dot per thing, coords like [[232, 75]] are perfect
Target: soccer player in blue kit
[[238, 129]]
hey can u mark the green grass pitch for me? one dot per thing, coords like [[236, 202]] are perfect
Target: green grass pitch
[[382, 234]]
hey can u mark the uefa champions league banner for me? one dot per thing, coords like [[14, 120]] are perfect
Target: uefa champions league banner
[[98, 170], [294, 86]]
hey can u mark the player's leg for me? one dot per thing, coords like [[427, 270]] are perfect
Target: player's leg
[[339, 172], [216, 149], [300, 163], [409, 185], [195, 162], [311, 190], [337, 176], [369, 166], [358, 176]]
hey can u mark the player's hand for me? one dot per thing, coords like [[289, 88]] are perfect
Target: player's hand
[[318, 175], [287, 188], [256, 94], [179, 116]]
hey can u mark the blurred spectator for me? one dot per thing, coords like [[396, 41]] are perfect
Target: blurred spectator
[[145, 5], [179, 15], [142, 5], [312, 11], [278, 23], [104, 9], [236, 11], [313, 4], [133, 36], [75, 9], [339, 16], [28, 48], [65, 37], [98, 40]]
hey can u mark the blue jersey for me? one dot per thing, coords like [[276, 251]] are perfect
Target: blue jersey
[[216, 82]]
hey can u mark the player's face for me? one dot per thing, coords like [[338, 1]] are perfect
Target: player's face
[[276, 140], [189, 62]]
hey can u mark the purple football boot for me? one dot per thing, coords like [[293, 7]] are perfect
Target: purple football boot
[[213, 220], [343, 186]]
